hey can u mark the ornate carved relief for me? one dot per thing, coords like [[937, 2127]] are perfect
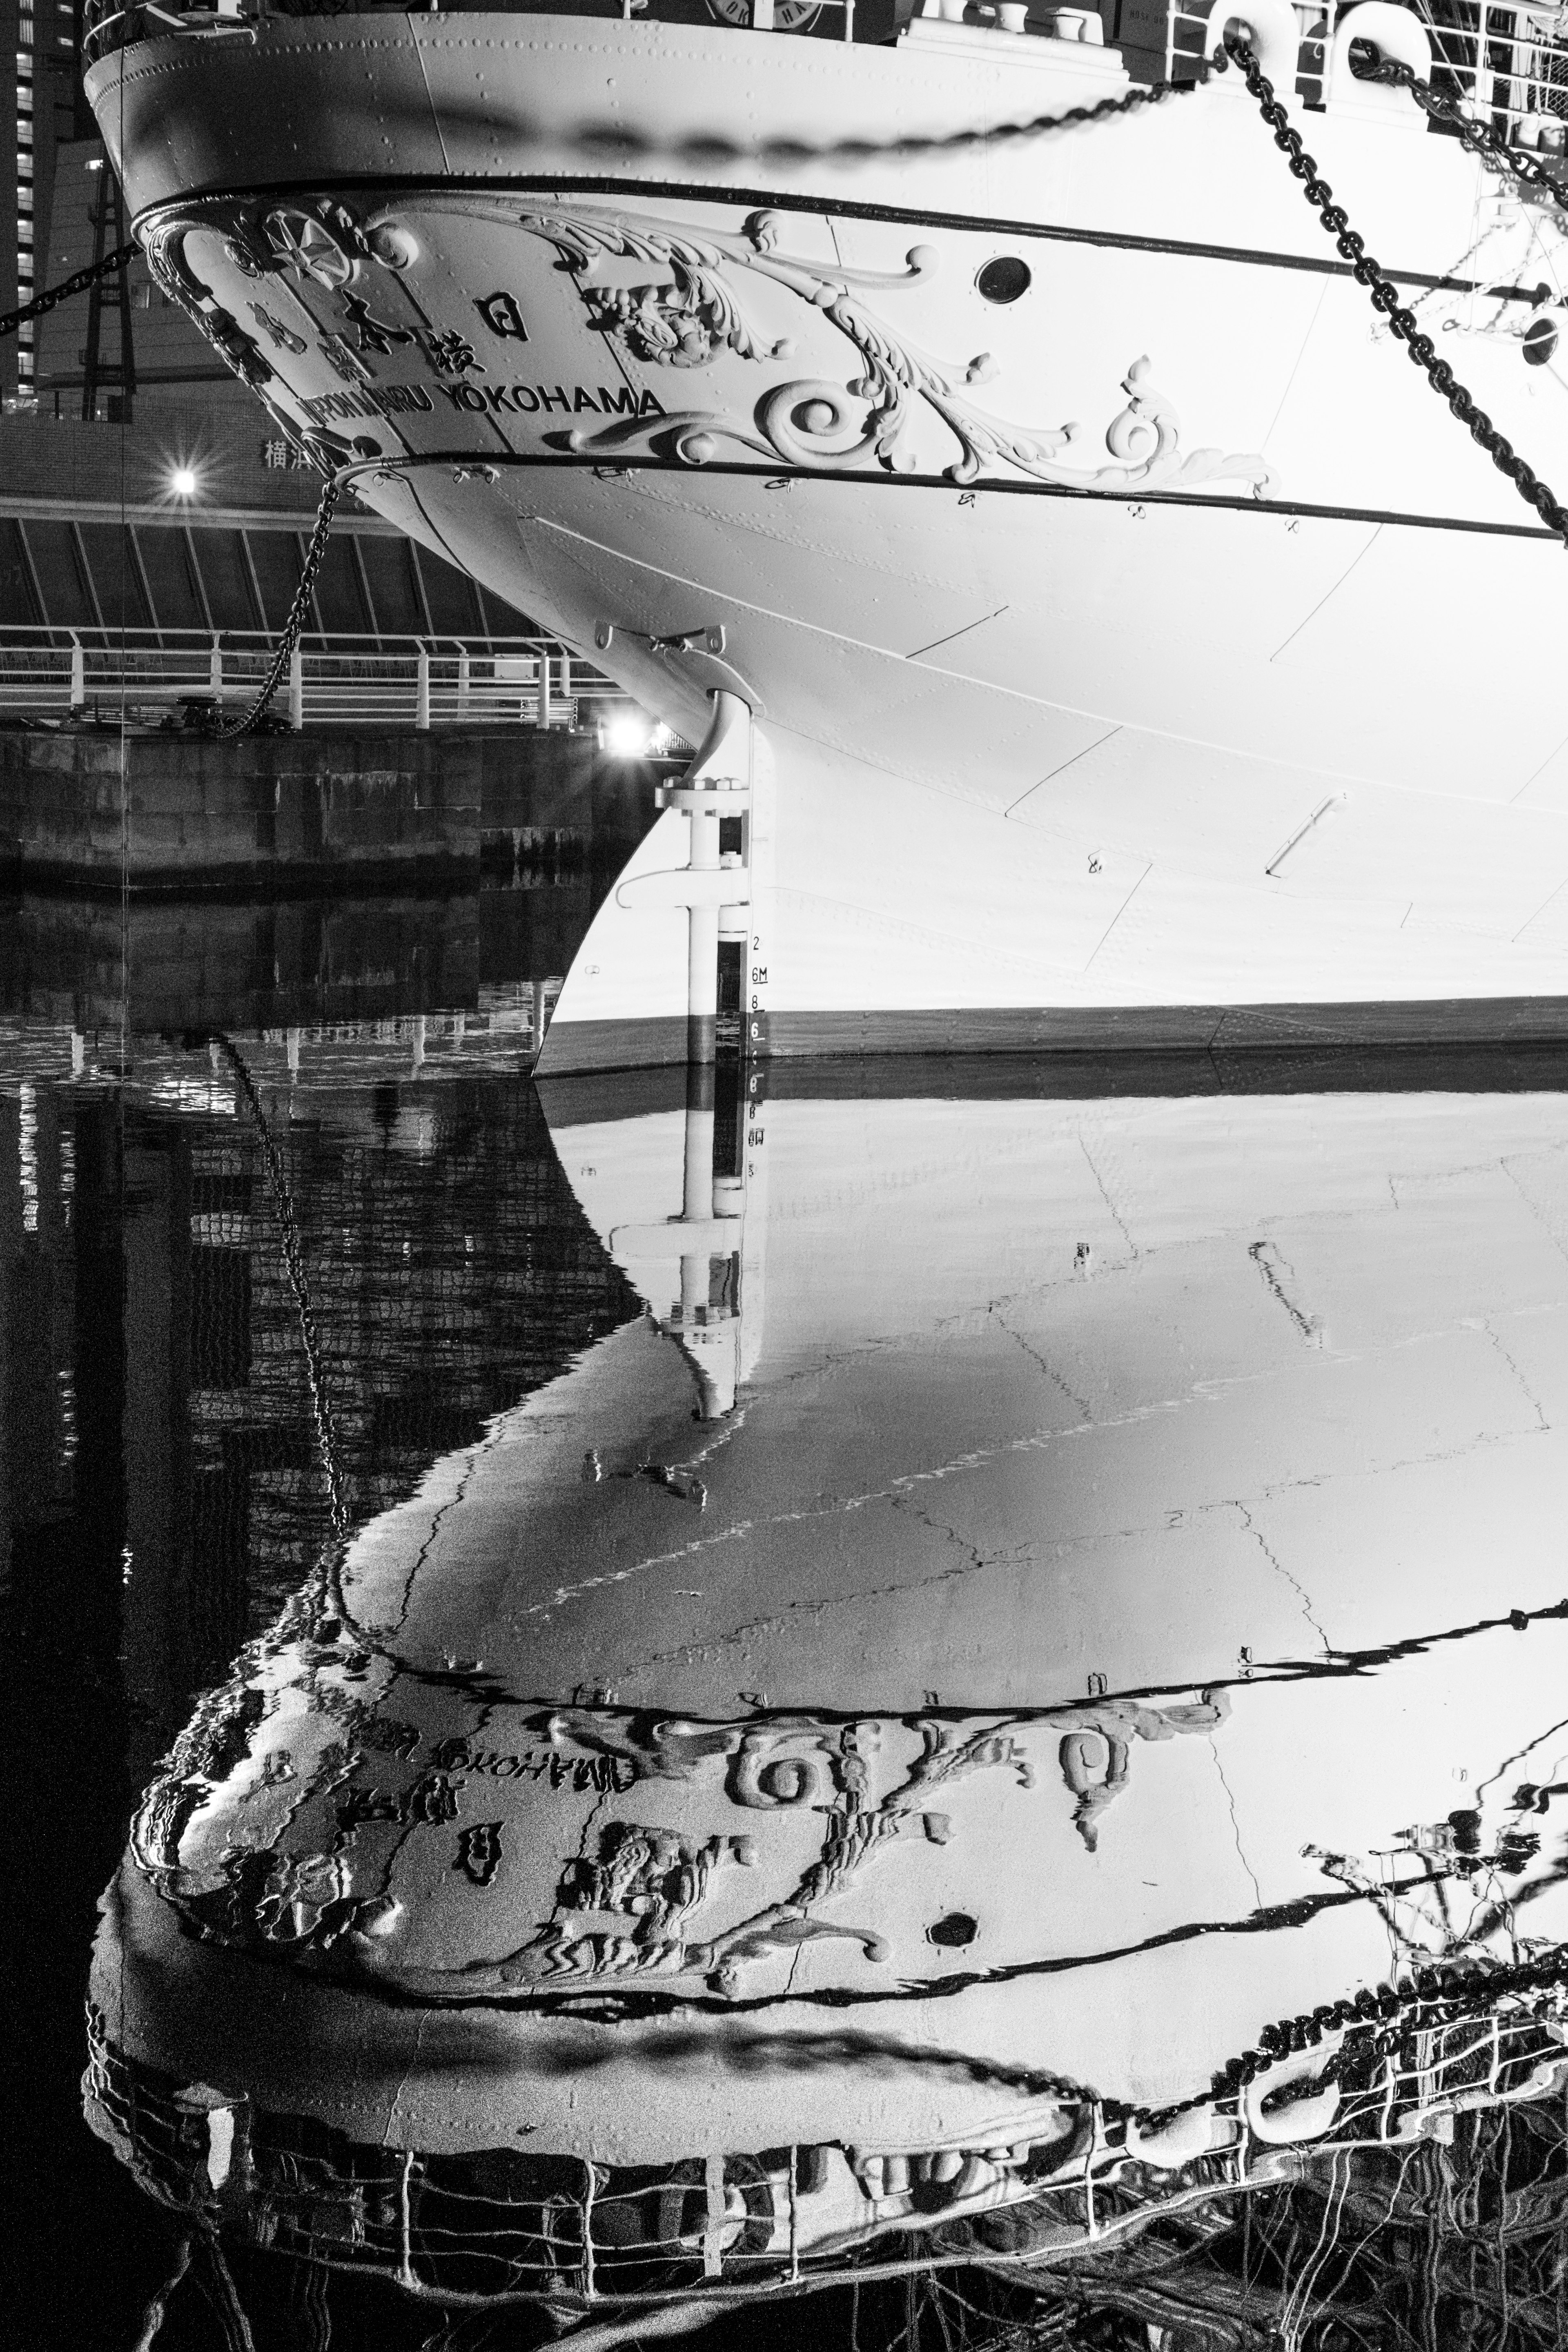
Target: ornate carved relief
[[686, 313]]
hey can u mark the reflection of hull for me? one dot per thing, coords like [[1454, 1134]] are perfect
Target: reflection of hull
[[864, 1723], [1050, 762]]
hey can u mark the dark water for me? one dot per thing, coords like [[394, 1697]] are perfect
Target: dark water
[[858, 1705]]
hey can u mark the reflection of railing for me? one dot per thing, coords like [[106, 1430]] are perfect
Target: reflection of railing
[[407, 682], [113, 24], [502, 2226]]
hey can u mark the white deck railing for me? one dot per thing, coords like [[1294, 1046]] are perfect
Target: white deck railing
[[371, 681]]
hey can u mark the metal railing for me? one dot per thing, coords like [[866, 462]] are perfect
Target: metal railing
[[97, 675], [1509, 65]]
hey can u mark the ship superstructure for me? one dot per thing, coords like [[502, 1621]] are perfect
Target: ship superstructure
[[1097, 631]]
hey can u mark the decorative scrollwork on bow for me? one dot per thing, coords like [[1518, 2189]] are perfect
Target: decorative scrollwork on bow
[[686, 313]]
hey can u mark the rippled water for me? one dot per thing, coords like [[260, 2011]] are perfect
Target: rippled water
[[916, 1703]]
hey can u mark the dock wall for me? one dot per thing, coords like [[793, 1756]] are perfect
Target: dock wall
[[292, 813]]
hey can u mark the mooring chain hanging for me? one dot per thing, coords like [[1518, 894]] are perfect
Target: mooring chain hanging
[[299, 613], [1402, 323], [1483, 142], [624, 143], [123, 256]]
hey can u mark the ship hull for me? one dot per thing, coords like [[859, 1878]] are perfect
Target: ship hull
[[1127, 657]]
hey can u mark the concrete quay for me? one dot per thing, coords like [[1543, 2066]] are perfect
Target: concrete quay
[[89, 809]]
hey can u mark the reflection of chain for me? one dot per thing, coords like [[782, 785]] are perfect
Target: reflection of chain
[[1402, 323], [294, 1266]]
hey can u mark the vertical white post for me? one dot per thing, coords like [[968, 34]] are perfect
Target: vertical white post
[[296, 689], [463, 681], [79, 673], [850, 19], [291, 1046], [214, 670], [702, 950], [422, 693]]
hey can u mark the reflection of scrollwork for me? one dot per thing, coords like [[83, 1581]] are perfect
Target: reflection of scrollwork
[[686, 314], [1096, 1751]]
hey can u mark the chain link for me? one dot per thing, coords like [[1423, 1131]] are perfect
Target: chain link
[[1402, 323], [299, 613], [1493, 152], [624, 142], [78, 284]]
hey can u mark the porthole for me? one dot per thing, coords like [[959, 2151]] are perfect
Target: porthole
[[1004, 280], [956, 1930], [1540, 342]]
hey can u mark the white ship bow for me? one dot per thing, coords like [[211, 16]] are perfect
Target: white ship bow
[[1143, 651]]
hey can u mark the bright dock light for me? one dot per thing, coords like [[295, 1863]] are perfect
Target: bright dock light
[[629, 735], [183, 482]]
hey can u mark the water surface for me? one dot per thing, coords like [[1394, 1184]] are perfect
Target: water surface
[[855, 1703]]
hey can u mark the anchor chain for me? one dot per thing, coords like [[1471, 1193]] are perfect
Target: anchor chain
[[299, 613], [78, 283], [1479, 139], [1402, 323], [709, 150]]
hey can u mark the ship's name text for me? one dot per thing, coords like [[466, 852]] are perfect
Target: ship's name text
[[485, 399]]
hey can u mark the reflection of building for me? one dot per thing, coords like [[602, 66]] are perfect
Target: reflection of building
[[154, 1418]]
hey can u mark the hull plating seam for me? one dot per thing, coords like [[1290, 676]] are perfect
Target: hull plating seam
[[688, 192], [602, 462]]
